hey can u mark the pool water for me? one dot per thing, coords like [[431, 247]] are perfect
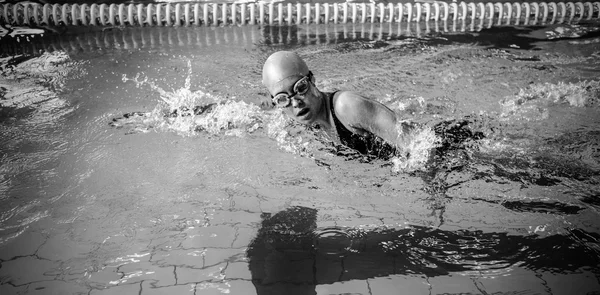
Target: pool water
[[111, 185]]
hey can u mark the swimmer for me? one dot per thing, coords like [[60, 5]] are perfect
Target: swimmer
[[357, 122], [347, 118]]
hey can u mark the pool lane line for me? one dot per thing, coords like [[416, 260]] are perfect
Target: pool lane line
[[218, 14]]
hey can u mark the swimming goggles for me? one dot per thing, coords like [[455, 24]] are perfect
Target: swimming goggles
[[283, 100]]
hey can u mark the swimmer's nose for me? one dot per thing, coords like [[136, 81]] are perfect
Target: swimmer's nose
[[296, 102]]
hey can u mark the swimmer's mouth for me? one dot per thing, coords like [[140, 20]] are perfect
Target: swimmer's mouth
[[302, 112]]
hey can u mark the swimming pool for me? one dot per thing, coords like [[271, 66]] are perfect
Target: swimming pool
[[242, 201]]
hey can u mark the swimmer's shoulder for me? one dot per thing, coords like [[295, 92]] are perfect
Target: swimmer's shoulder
[[365, 116], [349, 105]]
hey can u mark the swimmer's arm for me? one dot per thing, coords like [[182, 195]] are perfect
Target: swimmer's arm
[[363, 114]]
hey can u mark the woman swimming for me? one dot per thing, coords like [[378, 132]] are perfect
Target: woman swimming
[[357, 122]]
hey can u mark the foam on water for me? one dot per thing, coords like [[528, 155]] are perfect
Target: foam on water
[[235, 118], [416, 150], [580, 94], [531, 104], [534, 117], [289, 136]]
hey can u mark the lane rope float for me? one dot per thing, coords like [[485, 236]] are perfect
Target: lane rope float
[[218, 14]]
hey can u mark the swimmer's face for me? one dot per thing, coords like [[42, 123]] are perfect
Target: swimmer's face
[[299, 99], [291, 86]]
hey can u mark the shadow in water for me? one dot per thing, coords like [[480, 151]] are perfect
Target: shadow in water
[[290, 254]]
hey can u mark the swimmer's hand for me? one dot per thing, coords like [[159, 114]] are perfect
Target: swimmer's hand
[[142, 122], [135, 122], [199, 110], [185, 111]]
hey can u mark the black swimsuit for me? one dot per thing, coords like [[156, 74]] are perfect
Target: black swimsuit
[[368, 145]]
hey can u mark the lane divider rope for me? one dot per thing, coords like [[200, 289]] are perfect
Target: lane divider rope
[[217, 14]]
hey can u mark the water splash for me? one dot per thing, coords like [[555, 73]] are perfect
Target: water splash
[[180, 102], [185, 111], [416, 149], [532, 123], [235, 118], [581, 94], [189, 113], [290, 136], [530, 103]]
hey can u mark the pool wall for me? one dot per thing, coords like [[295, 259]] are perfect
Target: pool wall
[[241, 13]]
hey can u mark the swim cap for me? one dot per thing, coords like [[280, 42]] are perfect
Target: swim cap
[[283, 67]]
